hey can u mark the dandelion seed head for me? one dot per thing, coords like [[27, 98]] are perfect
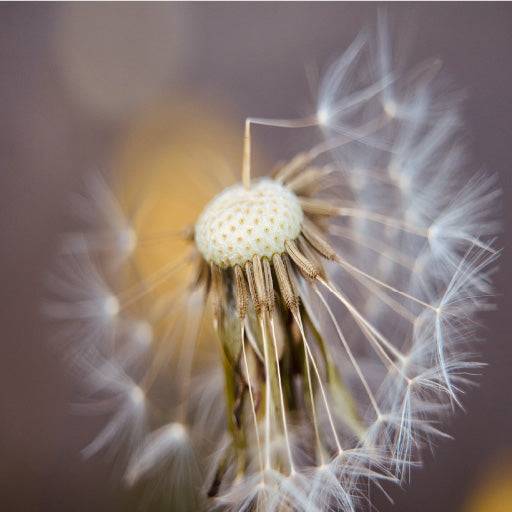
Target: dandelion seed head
[[240, 223], [340, 291]]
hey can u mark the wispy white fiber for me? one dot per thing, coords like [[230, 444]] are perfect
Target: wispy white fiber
[[339, 378]]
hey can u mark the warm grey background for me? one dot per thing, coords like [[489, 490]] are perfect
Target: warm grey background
[[252, 57]]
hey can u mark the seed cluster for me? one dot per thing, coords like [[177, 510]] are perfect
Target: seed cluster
[[240, 223]]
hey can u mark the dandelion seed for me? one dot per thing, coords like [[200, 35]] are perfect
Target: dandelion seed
[[340, 288]]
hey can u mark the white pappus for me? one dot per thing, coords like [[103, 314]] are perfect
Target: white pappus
[[318, 325]]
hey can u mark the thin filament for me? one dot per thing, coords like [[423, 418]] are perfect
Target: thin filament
[[281, 396], [150, 283], [353, 268], [312, 398], [322, 390], [251, 397], [350, 354], [361, 320], [268, 397], [376, 246], [383, 219], [280, 123]]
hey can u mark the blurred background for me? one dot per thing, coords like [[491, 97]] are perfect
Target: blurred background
[[80, 82]]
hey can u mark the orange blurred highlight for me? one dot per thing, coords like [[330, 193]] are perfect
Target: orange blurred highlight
[[493, 493], [171, 164]]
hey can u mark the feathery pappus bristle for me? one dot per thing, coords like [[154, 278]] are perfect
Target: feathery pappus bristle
[[312, 328]]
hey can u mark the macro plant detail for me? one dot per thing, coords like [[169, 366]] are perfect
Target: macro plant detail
[[311, 328]]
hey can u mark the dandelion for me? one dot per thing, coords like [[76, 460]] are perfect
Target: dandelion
[[315, 331]]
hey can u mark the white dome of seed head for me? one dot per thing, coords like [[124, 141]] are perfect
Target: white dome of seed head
[[240, 223]]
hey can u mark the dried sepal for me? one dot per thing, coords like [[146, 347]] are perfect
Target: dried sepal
[[306, 267], [318, 207], [242, 300], [315, 237], [286, 287]]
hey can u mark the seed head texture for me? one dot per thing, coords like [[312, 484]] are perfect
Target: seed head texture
[[239, 223]]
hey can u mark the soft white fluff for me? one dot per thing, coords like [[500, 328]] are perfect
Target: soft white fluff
[[414, 244]]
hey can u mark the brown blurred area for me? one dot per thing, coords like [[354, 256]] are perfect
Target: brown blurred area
[[74, 77]]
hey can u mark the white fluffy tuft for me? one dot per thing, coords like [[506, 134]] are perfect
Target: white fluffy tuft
[[378, 351]]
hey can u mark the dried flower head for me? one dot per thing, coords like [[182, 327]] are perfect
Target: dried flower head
[[342, 290]]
